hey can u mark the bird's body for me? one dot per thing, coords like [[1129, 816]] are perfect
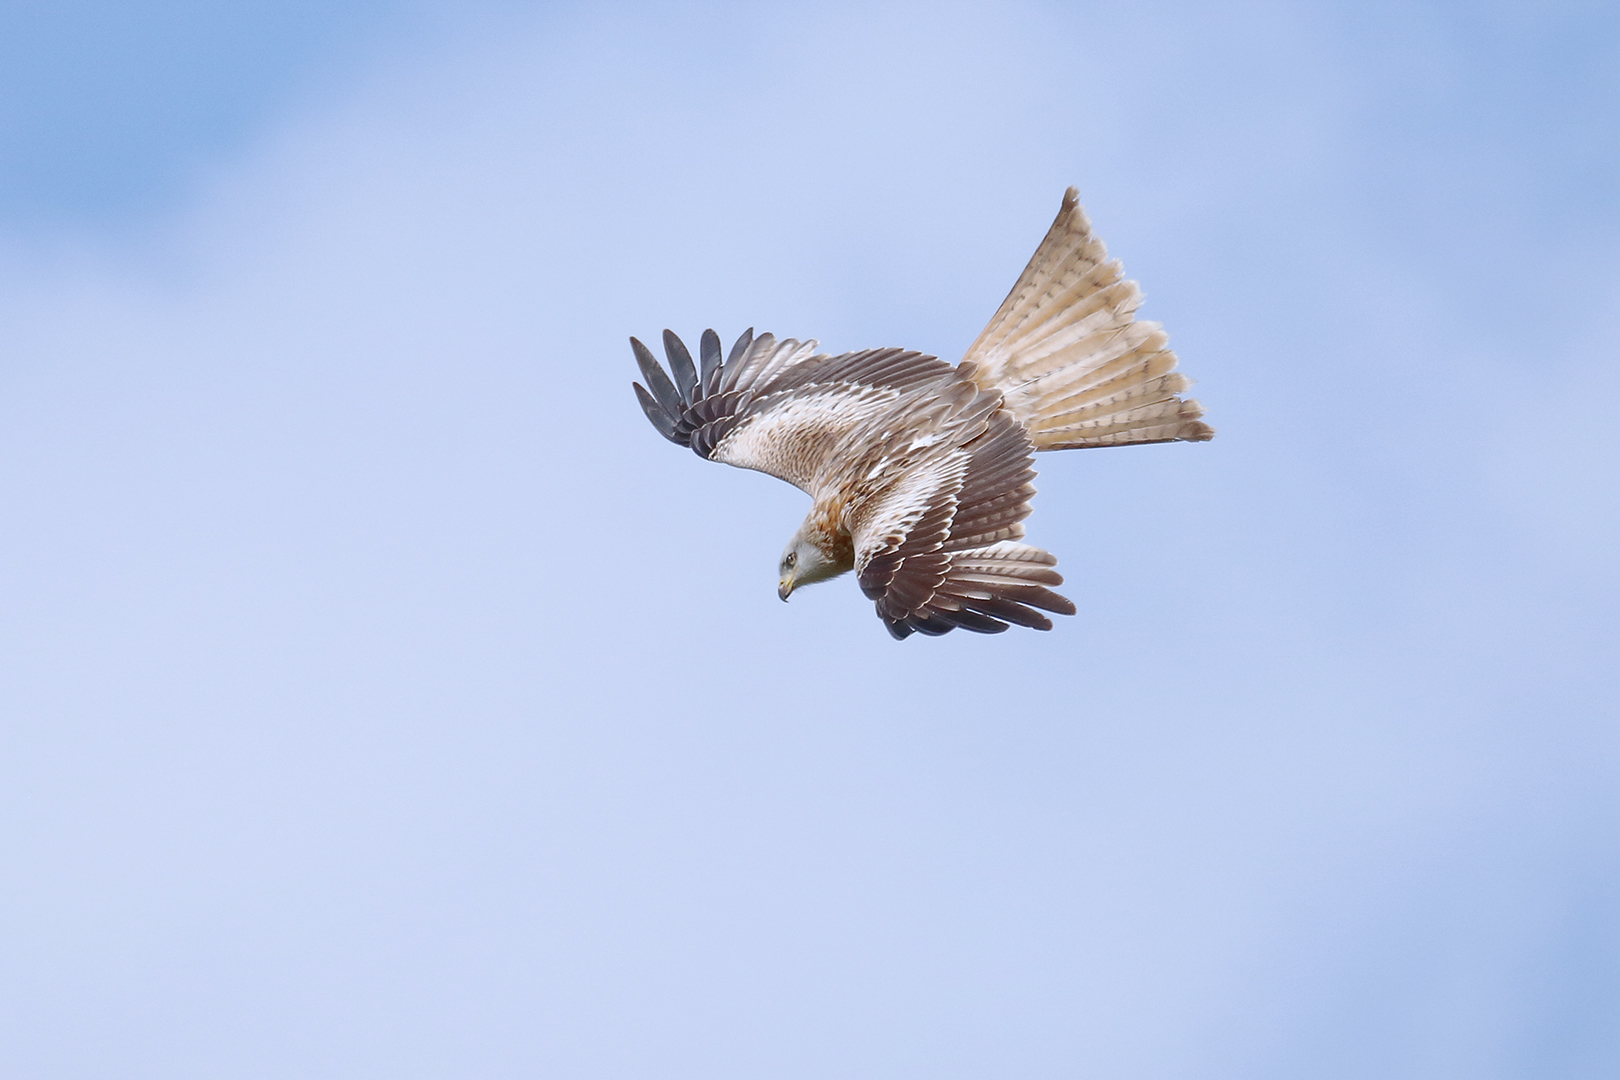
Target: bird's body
[[920, 472]]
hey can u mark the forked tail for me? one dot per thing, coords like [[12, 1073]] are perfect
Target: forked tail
[[1069, 358]]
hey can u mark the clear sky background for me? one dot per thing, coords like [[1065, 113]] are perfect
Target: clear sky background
[[382, 697]]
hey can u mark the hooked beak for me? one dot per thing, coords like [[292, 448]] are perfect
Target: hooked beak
[[785, 588]]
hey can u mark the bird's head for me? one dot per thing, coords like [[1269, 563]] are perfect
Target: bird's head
[[806, 561]]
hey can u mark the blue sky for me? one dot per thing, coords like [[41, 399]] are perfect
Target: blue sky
[[385, 698], [111, 108]]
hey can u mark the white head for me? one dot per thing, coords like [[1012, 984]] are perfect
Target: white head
[[804, 562]]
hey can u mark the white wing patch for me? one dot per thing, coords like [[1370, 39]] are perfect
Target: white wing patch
[[889, 516], [791, 439]]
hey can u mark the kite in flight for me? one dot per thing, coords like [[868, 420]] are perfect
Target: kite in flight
[[921, 472]]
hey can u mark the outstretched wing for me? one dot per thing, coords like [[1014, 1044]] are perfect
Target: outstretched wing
[[936, 547], [778, 407]]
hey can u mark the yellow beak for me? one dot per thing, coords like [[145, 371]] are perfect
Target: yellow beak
[[785, 588]]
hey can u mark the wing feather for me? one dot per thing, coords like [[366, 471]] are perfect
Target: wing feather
[[662, 389], [709, 348], [777, 406], [739, 349], [661, 419], [680, 363], [935, 546]]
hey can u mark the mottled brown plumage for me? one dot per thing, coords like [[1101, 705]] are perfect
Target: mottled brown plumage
[[921, 473]]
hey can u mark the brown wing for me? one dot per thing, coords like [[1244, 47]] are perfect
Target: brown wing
[[935, 547], [777, 407]]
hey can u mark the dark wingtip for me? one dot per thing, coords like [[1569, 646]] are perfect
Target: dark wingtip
[[733, 367], [1058, 604], [658, 382], [745, 339], [709, 352], [978, 623], [680, 363], [661, 420]]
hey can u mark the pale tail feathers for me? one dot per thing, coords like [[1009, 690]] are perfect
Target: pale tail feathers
[[1070, 360]]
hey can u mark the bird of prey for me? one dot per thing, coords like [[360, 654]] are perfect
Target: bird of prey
[[920, 473]]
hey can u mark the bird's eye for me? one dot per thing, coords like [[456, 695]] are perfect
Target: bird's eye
[[792, 557]]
